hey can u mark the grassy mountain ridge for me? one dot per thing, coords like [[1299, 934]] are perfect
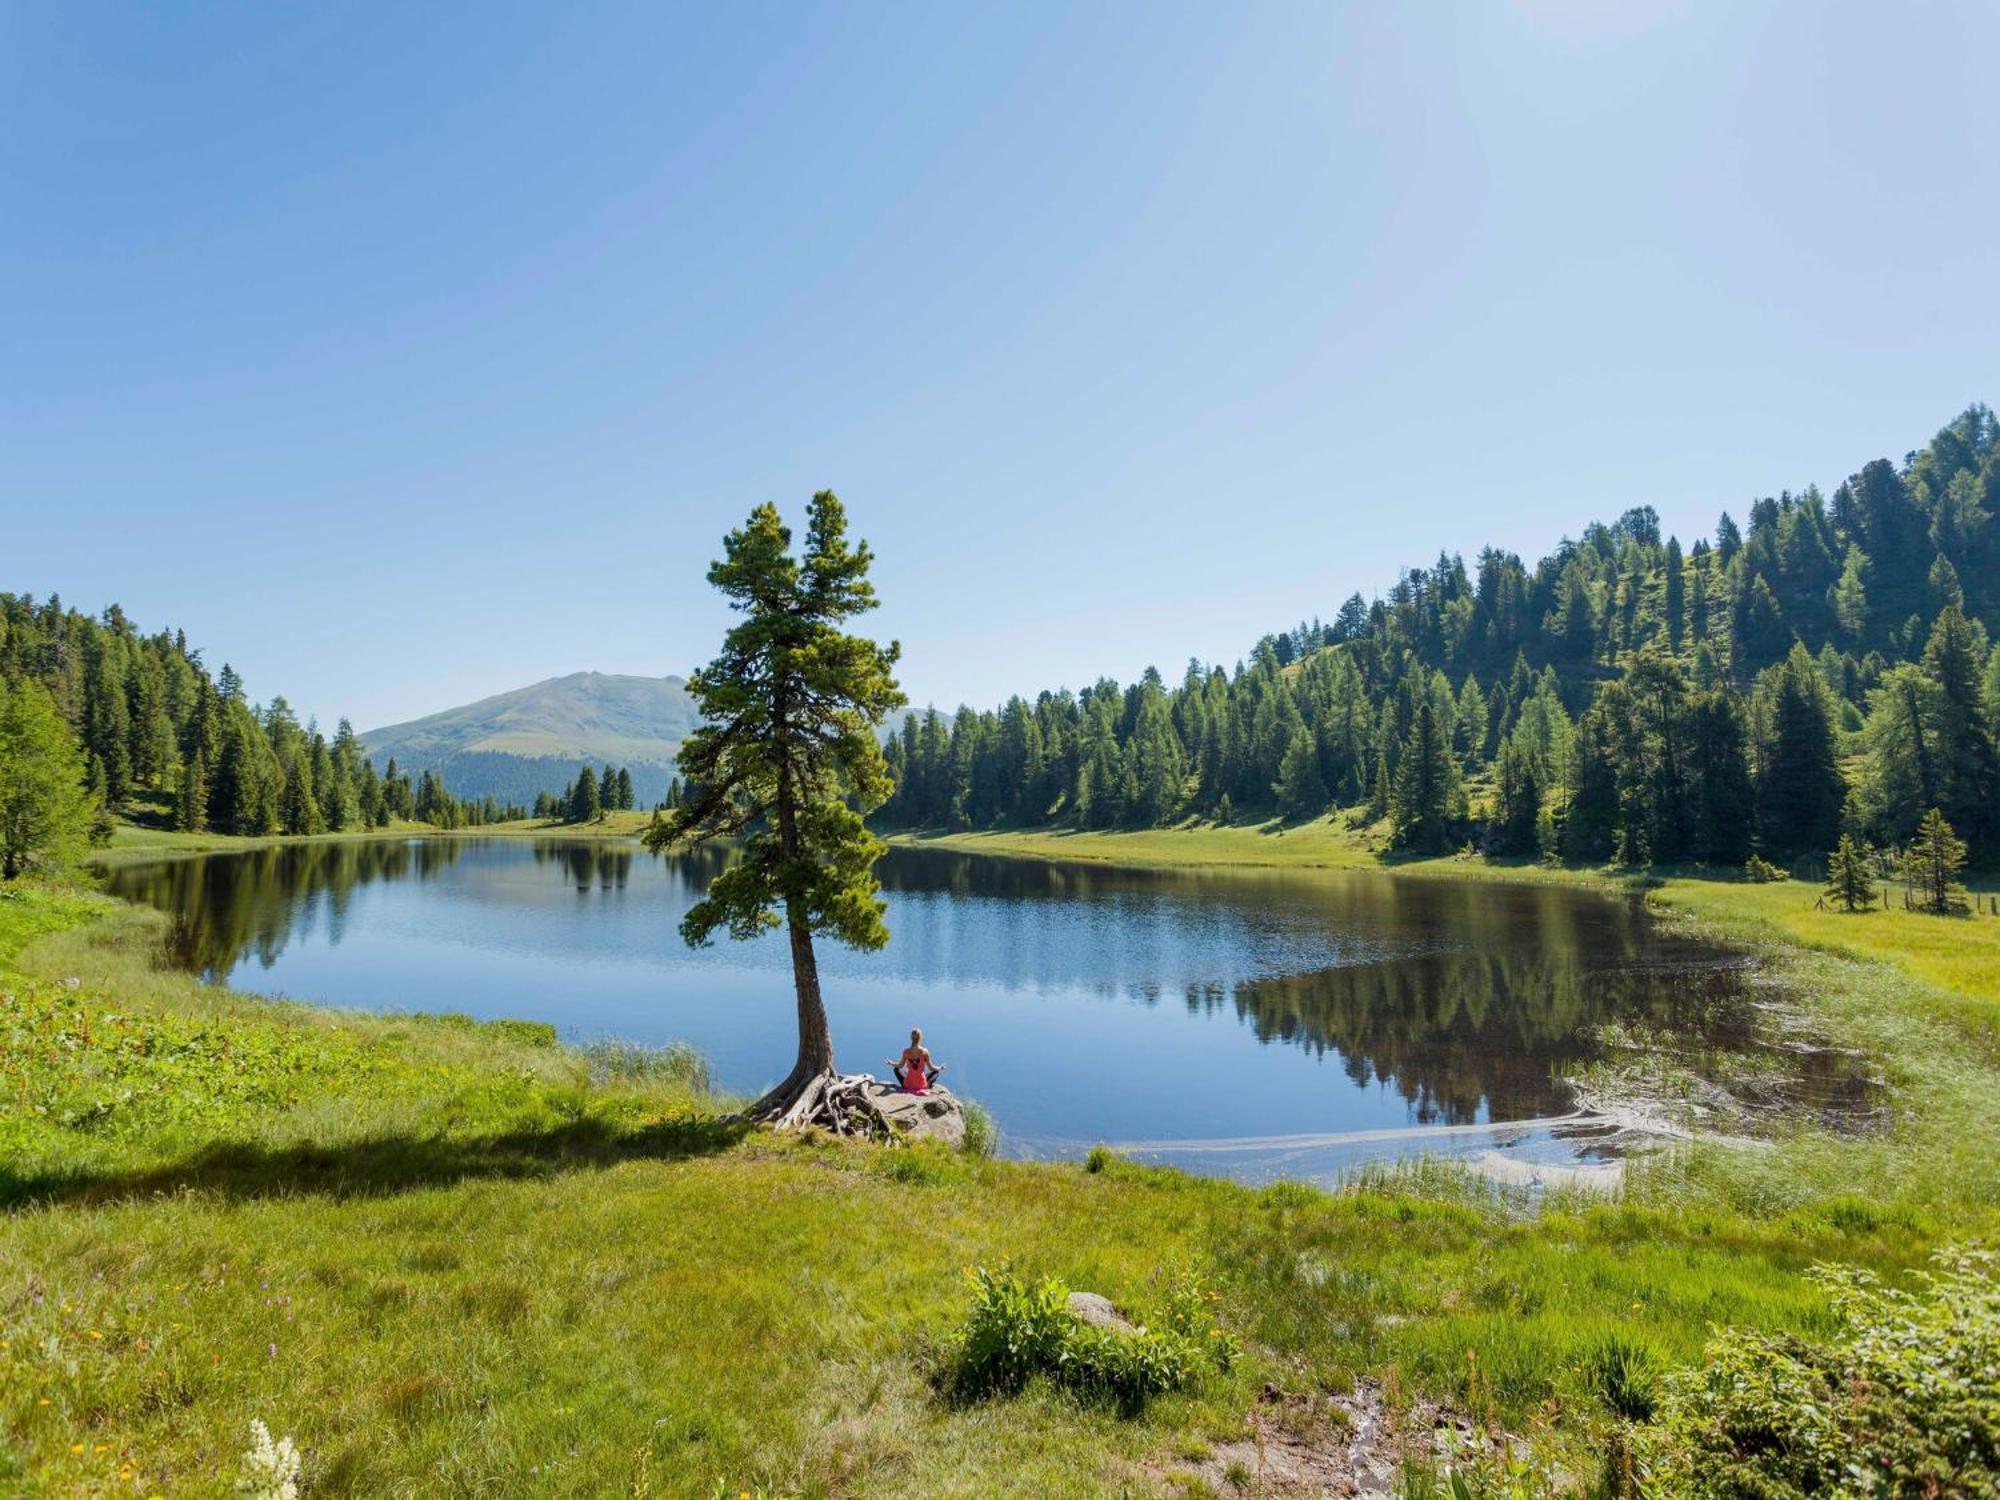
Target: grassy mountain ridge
[[534, 738]]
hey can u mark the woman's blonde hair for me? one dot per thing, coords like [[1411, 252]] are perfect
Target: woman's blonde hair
[[916, 1036]]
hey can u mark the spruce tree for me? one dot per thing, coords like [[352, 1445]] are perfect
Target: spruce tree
[[626, 801], [1800, 789], [1931, 864], [787, 759], [191, 799], [1849, 880], [1300, 790], [1590, 825], [1674, 604], [1725, 819], [584, 803], [1426, 784]]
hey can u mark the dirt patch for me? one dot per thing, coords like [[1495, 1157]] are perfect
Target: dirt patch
[[1298, 1445]]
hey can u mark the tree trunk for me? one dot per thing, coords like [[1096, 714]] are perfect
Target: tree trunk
[[813, 1068], [814, 1064]]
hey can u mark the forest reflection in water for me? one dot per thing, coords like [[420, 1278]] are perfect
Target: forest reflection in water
[[1398, 1000]]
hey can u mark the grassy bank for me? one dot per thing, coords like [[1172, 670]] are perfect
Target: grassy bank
[[454, 1258], [133, 843]]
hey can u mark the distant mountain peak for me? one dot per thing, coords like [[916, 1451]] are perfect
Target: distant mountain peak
[[533, 738]]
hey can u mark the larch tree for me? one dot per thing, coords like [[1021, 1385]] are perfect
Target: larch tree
[[1931, 864], [1849, 880], [45, 814], [787, 758]]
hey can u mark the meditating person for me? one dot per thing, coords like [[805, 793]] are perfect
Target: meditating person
[[914, 1070]]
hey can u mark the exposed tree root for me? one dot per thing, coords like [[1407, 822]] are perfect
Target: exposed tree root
[[827, 1101]]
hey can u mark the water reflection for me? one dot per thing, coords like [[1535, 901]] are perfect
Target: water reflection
[[1079, 1002]]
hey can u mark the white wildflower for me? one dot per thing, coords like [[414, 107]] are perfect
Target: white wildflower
[[270, 1469]]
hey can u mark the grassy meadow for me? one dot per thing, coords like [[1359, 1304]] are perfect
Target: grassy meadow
[[454, 1258]]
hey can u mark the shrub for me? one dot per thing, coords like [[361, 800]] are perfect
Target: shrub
[[1017, 1331], [982, 1135], [524, 1033], [1099, 1157], [1899, 1400], [1625, 1375], [1761, 871]]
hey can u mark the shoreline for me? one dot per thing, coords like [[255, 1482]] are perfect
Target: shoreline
[[547, 1229]]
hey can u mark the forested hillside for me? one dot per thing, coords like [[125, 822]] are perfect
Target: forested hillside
[[155, 730], [1825, 666]]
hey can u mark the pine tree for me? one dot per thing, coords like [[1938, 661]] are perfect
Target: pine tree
[[1725, 798], [1931, 864], [1300, 791], [191, 799], [1967, 760], [1799, 789], [1590, 824], [1849, 879], [1675, 602], [1517, 803], [1426, 784], [584, 802], [786, 757], [45, 813], [626, 801], [299, 810]]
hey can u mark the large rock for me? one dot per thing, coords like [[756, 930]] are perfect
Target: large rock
[[1097, 1310], [936, 1116]]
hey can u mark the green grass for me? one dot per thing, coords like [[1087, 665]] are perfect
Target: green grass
[[133, 843], [1954, 953], [452, 1258]]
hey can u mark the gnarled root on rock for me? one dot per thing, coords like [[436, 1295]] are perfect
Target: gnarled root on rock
[[840, 1102]]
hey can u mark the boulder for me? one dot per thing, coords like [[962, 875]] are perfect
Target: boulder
[[936, 1116], [1097, 1311]]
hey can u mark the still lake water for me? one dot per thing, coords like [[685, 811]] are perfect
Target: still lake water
[[1254, 1023]]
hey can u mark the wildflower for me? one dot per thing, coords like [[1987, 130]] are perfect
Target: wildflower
[[271, 1469]]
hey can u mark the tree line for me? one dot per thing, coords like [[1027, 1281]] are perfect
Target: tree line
[[589, 796], [1830, 668], [131, 718]]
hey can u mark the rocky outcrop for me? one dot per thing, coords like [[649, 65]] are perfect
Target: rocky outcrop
[[936, 1116], [856, 1104]]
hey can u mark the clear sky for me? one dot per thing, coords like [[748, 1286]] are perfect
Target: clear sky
[[408, 353]]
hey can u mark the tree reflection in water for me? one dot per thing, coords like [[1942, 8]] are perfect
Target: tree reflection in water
[[1468, 999]]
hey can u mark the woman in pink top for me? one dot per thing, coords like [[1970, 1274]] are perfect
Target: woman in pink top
[[914, 1070]]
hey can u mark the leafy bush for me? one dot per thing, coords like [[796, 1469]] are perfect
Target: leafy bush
[[1017, 1331], [1900, 1400]]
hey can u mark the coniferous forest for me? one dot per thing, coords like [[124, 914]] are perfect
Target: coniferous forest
[[153, 729], [1824, 667]]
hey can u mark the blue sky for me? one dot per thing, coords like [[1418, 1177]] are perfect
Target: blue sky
[[407, 354]]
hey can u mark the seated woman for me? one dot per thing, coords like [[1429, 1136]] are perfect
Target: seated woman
[[914, 1070]]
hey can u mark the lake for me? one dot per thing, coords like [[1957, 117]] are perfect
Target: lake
[[1253, 1023]]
